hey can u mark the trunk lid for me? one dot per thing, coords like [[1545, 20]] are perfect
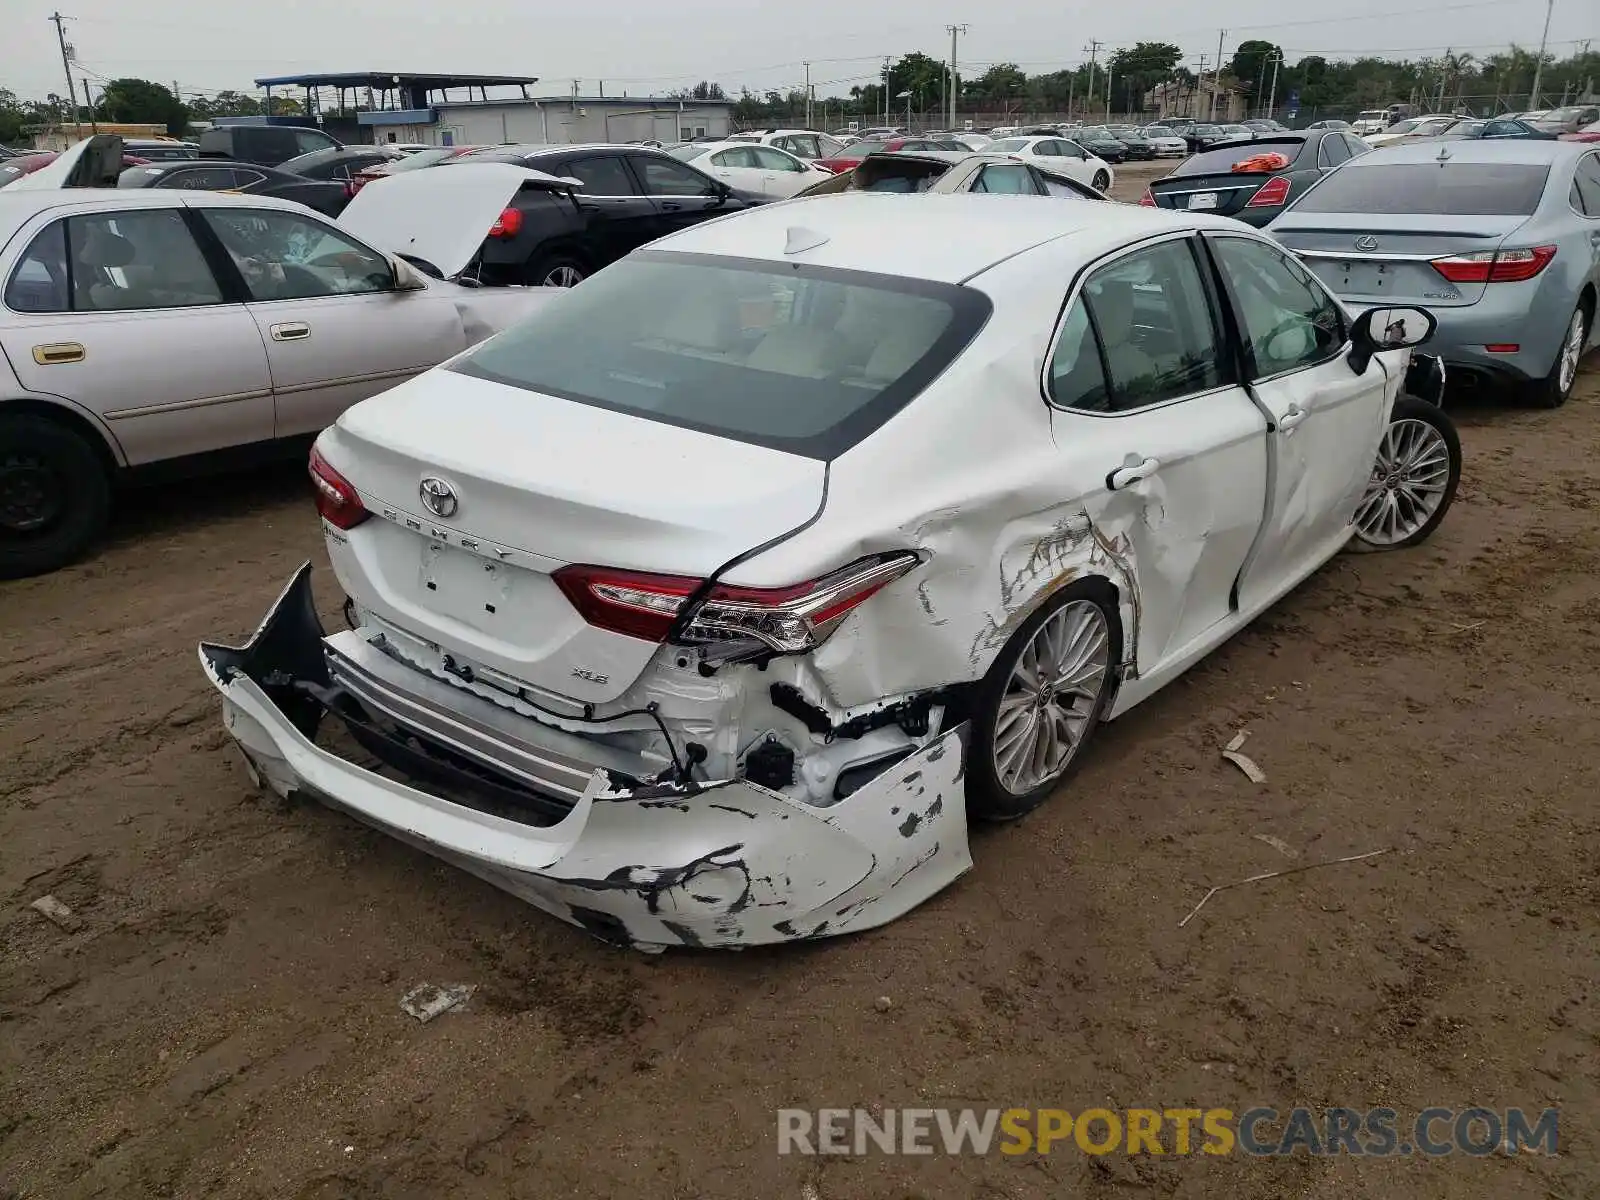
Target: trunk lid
[[94, 162], [539, 483], [1223, 193], [440, 214], [1368, 257]]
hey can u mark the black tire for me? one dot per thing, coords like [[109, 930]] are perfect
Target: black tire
[[55, 495], [1549, 392], [1101, 181], [987, 798], [1412, 408], [557, 264]]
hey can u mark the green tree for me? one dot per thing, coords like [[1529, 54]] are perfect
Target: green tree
[[139, 100], [1157, 59], [1252, 64], [1000, 83]]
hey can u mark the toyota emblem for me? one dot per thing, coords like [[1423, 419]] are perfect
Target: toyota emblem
[[438, 497], [1366, 243]]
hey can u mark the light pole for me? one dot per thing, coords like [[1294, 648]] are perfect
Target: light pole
[[1538, 66], [906, 96]]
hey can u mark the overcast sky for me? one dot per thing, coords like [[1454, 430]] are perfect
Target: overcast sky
[[645, 46]]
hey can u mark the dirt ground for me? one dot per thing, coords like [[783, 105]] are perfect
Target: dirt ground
[[224, 1022]]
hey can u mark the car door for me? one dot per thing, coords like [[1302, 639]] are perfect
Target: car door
[[1326, 418], [621, 217], [1066, 157], [682, 195], [1584, 198], [1145, 404], [1008, 179], [782, 174], [736, 166], [335, 326], [120, 313]]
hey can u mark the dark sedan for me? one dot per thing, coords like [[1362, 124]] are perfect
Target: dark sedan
[[1099, 141], [630, 195], [1139, 148], [1252, 181], [212, 175], [1200, 137], [338, 165]]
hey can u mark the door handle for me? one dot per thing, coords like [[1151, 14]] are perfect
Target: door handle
[[670, 206], [1292, 417], [290, 331], [58, 352], [1131, 471]]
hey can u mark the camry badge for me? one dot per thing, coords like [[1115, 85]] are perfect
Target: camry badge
[[1366, 243], [438, 497]]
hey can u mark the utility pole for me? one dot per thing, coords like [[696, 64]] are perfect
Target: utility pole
[[886, 91], [1538, 66], [953, 30], [88, 102], [1216, 77], [807, 66], [66, 66], [1094, 49], [1199, 82], [1111, 75], [1272, 96]]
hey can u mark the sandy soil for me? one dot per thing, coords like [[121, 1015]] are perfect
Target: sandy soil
[[225, 1021]]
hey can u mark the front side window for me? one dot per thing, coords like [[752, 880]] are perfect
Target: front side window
[[803, 359], [1152, 317], [1286, 320], [663, 176], [110, 262], [286, 257], [739, 156], [308, 140], [603, 176]]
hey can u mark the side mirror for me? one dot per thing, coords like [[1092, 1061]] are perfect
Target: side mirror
[[1379, 329], [406, 277]]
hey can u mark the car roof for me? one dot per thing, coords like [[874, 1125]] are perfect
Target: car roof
[[946, 239], [17, 208], [1499, 150]]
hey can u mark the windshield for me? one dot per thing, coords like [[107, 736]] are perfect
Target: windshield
[[1442, 189], [686, 151], [865, 147], [799, 358], [1562, 114], [1009, 145], [1404, 126]]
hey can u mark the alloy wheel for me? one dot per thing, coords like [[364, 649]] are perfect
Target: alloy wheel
[[1571, 352], [563, 277], [1049, 701], [1409, 480]]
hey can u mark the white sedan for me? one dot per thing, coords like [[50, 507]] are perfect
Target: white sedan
[[1058, 154], [144, 327], [704, 607], [1166, 143], [752, 167]]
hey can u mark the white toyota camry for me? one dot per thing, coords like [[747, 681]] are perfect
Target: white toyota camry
[[706, 605]]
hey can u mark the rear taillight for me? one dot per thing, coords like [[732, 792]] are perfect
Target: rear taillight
[[786, 620], [1148, 199], [1271, 193], [337, 499], [1495, 266], [507, 224]]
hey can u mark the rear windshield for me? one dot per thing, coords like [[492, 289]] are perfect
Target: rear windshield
[[1442, 189], [1220, 162], [804, 359]]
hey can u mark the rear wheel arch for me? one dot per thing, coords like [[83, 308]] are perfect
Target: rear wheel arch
[[104, 442]]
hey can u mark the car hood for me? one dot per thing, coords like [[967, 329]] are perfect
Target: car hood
[[440, 214], [94, 162]]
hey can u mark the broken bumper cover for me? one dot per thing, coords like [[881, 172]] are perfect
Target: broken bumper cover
[[717, 864]]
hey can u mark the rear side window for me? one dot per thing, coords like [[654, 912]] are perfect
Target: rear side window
[[1447, 189], [606, 176], [1220, 162], [105, 262], [1586, 186], [804, 359]]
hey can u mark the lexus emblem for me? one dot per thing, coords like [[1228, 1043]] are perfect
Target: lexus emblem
[[1366, 243], [438, 497]]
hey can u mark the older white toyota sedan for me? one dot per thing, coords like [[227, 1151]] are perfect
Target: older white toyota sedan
[[706, 605]]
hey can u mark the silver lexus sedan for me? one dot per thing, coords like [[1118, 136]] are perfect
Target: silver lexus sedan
[[1500, 240]]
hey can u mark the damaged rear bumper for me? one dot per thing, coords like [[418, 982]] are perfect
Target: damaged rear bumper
[[726, 863]]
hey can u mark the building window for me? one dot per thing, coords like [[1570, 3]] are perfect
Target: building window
[[684, 133]]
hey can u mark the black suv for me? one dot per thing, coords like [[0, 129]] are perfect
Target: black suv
[[630, 195], [268, 145]]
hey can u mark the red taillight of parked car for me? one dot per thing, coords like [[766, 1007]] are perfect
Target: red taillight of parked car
[[1148, 199], [785, 619], [839, 165], [337, 499], [1271, 193], [508, 224], [1495, 266]]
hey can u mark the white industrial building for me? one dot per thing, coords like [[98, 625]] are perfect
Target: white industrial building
[[457, 110]]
